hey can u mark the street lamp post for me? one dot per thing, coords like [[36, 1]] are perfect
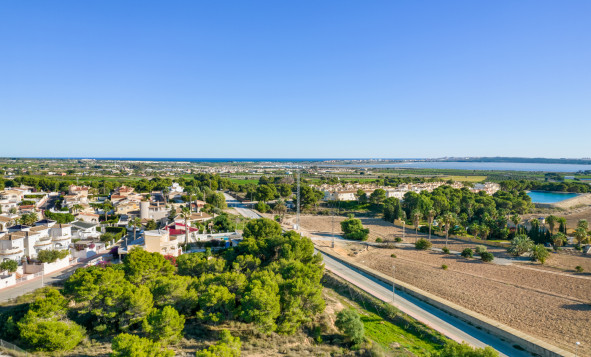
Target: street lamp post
[[393, 283], [577, 348]]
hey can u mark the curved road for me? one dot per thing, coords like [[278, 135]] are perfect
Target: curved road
[[446, 324], [240, 207]]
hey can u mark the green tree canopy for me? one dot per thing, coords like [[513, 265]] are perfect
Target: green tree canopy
[[353, 229], [141, 266], [164, 325], [261, 228]]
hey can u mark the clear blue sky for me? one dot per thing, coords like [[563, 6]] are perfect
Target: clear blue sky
[[295, 78]]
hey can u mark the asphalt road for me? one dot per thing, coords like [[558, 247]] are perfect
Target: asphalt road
[[446, 324], [240, 207], [34, 284]]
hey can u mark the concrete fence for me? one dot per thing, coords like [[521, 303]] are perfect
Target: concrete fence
[[495, 328]]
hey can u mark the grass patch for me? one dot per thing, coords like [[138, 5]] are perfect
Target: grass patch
[[465, 178], [244, 181], [395, 332]]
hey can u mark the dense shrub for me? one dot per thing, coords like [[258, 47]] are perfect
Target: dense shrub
[[50, 256], [423, 244], [398, 239], [126, 345], [350, 324], [379, 240], [445, 250], [487, 257], [444, 267], [9, 265], [353, 229], [480, 249], [262, 207], [228, 346], [454, 349], [467, 253], [579, 269]]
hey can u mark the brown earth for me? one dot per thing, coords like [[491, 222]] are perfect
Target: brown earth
[[547, 302]]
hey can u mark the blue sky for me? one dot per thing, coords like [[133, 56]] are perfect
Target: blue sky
[[295, 78]]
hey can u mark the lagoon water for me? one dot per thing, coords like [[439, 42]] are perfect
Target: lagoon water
[[550, 197], [496, 166]]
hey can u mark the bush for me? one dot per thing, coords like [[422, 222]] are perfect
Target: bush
[[454, 349], [9, 265], [262, 207], [480, 249], [423, 244], [467, 253], [228, 346], [444, 267], [393, 255], [379, 240], [125, 345], [579, 269], [445, 250], [539, 253], [107, 237], [398, 239], [487, 257], [50, 256], [353, 229], [50, 335], [349, 323]]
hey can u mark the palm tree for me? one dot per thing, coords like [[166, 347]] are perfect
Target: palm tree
[[189, 191], [448, 218], [580, 235], [76, 208], [136, 222], [416, 218], [475, 229], [583, 224], [430, 217], [165, 192], [186, 215], [558, 239], [484, 231], [515, 219], [562, 221], [551, 220], [107, 206]]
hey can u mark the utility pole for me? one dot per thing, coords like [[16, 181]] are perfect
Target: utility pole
[[332, 227], [403, 228], [298, 203]]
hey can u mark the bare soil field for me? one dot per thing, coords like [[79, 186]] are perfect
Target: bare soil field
[[572, 215], [548, 303]]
